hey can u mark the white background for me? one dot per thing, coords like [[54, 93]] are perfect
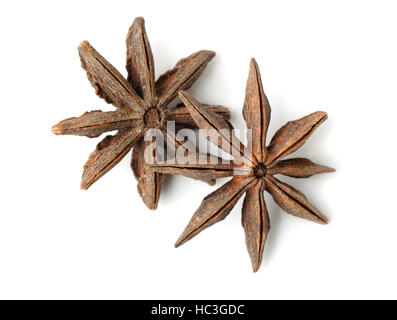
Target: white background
[[57, 241]]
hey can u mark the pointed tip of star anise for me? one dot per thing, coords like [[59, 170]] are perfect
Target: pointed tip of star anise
[[256, 266], [84, 45], [322, 115], [209, 54], [152, 206], [83, 186], [56, 129], [253, 61], [179, 242], [139, 20], [322, 219]]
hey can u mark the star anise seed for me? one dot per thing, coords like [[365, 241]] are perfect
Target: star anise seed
[[141, 104], [257, 174]]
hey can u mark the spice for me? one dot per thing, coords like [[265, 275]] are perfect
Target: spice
[[141, 104], [256, 173]]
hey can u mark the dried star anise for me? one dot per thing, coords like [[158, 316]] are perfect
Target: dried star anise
[[256, 174], [141, 104]]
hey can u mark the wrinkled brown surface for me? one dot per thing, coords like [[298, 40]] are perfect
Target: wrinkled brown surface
[[140, 64], [93, 123], [182, 76], [292, 201], [107, 154], [293, 135], [109, 84], [215, 207], [256, 222], [256, 112], [256, 176], [135, 99], [149, 181], [299, 168], [218, 129]]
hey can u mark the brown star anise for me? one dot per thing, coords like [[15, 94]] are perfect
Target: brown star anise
[[260, 164], [141, 104]]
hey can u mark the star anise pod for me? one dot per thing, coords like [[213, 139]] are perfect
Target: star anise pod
[[141, 104], [256, 173]]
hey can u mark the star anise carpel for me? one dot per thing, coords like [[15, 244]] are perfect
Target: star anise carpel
[[141, 104], [257, 171]]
